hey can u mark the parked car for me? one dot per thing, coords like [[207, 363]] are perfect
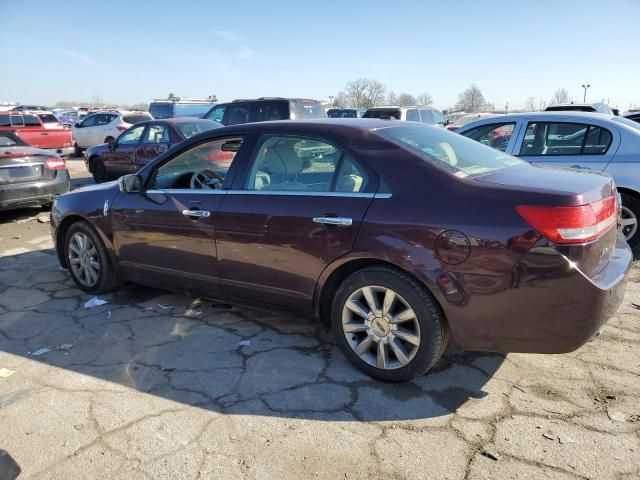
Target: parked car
[[68, 117], [180, 107], [462, 120], [265, 109], [583, 141], [634, 116], [427, 115], [50, 121], [103, 127], [581, 107], [404, 237], [31, 108], [141, 143], [345, 113], [30, 128], [29, 176]]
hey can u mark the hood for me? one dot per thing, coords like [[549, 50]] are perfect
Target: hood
[[97, 187]]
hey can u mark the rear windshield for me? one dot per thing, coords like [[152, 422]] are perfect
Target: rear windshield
[[563, 108], [307, 109], [450, 150], [135, 118], [161, 110], [344, 113], [383, 113], [189, 129], [48, 118]]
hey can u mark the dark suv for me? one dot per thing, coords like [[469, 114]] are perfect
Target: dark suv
[[265, 109]]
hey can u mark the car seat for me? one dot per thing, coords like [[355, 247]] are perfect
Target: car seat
[[284, 165]]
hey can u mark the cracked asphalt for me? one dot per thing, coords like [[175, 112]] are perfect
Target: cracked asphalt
[[158, 385]]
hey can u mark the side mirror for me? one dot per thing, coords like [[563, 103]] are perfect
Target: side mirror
[[112, 145], [130, 184], [77, 125]]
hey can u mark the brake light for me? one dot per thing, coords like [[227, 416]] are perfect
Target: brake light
[[121, 128], [572, 224], [55, 163]]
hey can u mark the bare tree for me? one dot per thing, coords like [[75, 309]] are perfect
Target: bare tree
[[561, 96], [392, 98], [375, 93], [341, 100], [406, 99], [355, 91], [530, 104], [424, 99], [471, 100], [362, 93]]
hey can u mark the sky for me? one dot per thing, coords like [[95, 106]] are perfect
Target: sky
[[134, 51]]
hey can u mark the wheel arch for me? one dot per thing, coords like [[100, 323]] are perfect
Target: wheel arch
[[629, 191], [336, 273]]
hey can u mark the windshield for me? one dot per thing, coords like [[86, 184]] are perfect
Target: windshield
[[189, 129], [161, 110], [449, 150], [627, 122]]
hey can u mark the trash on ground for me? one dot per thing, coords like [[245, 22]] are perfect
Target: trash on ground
[[244, 343], [40, 351], [564, 439], [519, 388], [44, 218], [616, 416], [635, 305], [6, 373], [548, 436], [492, 455], [65, 347], [164, 307], [94, 302], [109, 314]]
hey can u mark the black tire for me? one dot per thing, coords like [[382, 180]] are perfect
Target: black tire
[[433, 328], [109, 139], [633, 204], [107, 277], [77, 151], [99, 171]]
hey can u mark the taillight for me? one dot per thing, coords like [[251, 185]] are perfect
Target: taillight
[[121, 128], [572, 224], [55, 163]]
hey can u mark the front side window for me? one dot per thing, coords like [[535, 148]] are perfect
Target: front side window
[[448, 150], [90, 121], [31, 121], [217, 113], [412, 115], [236, 114], [156, 134], [203, 166], [304, 165], [496, 135], [561, 138], [131, 136], [48, 118], [103, 119]]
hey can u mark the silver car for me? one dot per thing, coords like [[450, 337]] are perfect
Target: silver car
[[584, 141]]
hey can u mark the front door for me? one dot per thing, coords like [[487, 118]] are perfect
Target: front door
[[121, 156], [165, 236], [297, 208], [566, 144]]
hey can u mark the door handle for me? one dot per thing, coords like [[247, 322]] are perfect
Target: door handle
[[196, 213], [342, 221]]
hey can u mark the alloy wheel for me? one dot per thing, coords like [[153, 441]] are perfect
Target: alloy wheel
[[628, 223], [83, 259], [381, 327]]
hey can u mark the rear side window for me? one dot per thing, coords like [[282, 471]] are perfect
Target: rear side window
[[456, 153], [560, 138], [103, 119], [266, 111], [496, 135], [134, 118], [383, 113], [412, 115], [5, 121], [17, 120], [236, 114], [90, 121], [48, 118], [191, 109]]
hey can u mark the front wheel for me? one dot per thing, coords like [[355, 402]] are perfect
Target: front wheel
[[630, 219], [77, 151], [100, 174], [88, 260], [387, 324]]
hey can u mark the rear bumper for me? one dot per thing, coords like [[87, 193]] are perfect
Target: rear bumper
[[546, 305], [17, 195], [63, 152]]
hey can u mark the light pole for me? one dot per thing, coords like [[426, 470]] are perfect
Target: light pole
[[584, 99], [331, 100]]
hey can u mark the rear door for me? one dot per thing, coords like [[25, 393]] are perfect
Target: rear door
[[296, 207], [579, 145], [121, 159], [156, 140]]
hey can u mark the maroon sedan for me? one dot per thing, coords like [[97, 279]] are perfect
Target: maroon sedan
[[140, 144], [403, 237]]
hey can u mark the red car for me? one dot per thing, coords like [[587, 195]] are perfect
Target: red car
[[403, 237], [30, 128], [143, 142]]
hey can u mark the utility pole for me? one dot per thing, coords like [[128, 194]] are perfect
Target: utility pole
[[506, 108], [584, 98]]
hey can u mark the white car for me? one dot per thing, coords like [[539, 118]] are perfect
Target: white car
[[103, 127]]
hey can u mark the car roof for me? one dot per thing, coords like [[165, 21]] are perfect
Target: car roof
[[552, 114]]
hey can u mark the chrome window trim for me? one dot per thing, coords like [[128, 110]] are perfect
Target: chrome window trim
[[270, 192]]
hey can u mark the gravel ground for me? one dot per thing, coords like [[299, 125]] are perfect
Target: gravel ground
[[134, 390]]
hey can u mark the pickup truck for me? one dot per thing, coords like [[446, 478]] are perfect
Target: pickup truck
[[30, 128]]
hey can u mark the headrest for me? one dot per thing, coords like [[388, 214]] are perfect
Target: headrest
[[282, 160]]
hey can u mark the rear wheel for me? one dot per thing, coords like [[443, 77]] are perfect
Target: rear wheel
[[387, 324], [77, 151], [630, 219], [87, 259], [99, 171]]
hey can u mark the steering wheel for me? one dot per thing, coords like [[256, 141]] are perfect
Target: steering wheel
[[204, 178]]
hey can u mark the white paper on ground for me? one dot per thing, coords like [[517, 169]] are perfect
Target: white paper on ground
[[94, 302]]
